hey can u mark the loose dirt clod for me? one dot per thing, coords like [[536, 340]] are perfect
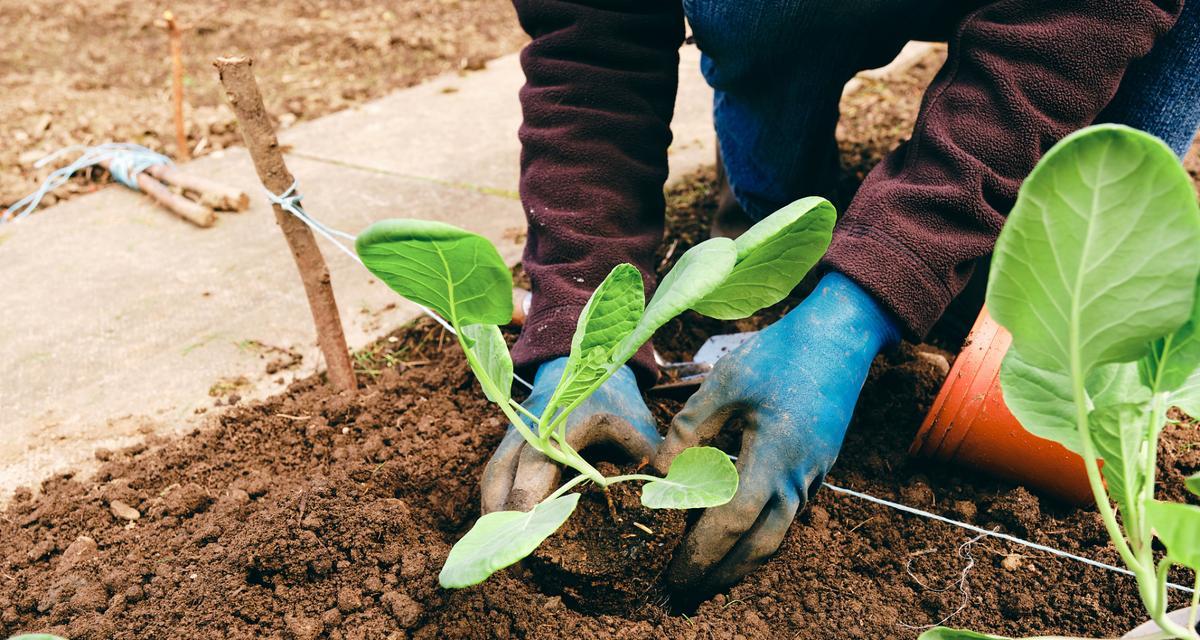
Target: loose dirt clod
[[123, 511]]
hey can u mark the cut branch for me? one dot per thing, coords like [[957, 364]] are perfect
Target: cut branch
[[208, 192], [241, 89], [197, 214]]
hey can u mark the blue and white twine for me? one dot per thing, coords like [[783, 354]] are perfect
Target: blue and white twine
[[125, 162]]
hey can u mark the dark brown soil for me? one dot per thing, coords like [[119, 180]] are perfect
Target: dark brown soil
[[318, 515], [79, 72], [581, 563]]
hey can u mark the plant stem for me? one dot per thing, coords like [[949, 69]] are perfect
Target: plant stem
[[490, 390], [1192, 617], [1159, 614], [567, 486], [633, 476], [528, 414], [581, 465], [1093, 471], [1162, 571], [1158, 417]]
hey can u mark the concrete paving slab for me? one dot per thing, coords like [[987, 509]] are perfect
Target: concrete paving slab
[[462, 129], [119, 318]]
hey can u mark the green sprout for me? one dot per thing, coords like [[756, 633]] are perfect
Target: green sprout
[[460, 276], [1095, 275]]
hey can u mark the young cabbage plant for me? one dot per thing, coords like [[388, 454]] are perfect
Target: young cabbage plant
[[460, 276], [1095, 275]]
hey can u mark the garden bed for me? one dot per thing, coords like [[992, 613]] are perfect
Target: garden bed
[[317, 515]]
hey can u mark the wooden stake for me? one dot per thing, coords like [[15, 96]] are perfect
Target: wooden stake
[[175, 34], [195, 213], [241, 89]]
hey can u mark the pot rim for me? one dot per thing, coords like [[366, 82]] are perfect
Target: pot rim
[[1148, 627]]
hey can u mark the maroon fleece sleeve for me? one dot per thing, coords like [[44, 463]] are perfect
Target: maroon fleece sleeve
[[1021, 74], [600, 83]]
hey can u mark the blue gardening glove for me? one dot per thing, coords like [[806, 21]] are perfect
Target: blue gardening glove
[[794, 386], [518, 476]]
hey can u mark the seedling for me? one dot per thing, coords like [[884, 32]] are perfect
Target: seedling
[[1095, 274], [460, 276]]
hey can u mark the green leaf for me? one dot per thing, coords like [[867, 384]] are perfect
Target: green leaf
[[1116, 384], [1120, 433], [454, 272], [699, 477], [610, 315], [1187, 396], [1093, 260], [487, 345], [36, 636], [1173, 360], [1192, 483], [1178, 526], [773, 257], [1042, 401], [946, 633], [502, 538], [697, 273]]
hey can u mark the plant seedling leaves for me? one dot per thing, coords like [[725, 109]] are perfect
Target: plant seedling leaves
[[454, 272], [1192, 483], [1178, 526], [699, 477], [946, 633], [1116, 384], [1120, 432], [1091, 260], [610, 315], [697, 273], [36, 636], [773, 257], [1174, 359], [1187, 397], [487, 345], [1042, 401], [501, 538], [1182, 358]]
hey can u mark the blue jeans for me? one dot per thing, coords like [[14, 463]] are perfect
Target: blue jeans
[[778, 67]]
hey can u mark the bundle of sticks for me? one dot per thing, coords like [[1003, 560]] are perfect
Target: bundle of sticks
[[209, 196]]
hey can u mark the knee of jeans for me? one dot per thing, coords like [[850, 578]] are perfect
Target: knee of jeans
[[734, 36]]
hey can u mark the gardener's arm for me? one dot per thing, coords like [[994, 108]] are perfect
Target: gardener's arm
[[1021, 74], [600, 89], [601, 77]]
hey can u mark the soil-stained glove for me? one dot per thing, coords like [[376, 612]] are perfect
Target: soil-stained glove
[[794, 387], [518, 476]]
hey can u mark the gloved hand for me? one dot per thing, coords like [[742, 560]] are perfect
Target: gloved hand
[[519, 476], [794, 386]]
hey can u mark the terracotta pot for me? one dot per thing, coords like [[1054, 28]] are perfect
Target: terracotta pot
[[969, 424], [1148, 628]]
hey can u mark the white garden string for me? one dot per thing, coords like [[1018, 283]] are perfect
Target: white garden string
[[964, 588], [290, 202], [995, 534]]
